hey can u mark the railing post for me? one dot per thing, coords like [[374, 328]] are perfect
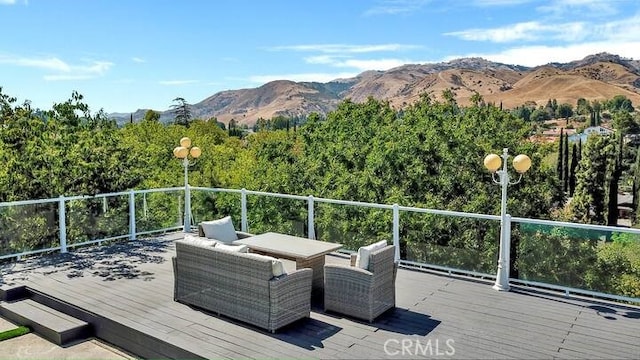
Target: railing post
[[132, 215], [396, 232], [62, 220], [243, 210], [310, 221], [504, 261]]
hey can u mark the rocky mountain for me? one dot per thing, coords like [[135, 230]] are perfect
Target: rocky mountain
[[596, 77]]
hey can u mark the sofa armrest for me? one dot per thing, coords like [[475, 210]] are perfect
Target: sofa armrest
[[298, 281], [290, 297]]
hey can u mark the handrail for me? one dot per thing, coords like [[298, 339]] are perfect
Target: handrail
[[576, 225], [311, 200]]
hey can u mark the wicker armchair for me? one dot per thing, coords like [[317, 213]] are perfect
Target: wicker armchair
[[363, 294]]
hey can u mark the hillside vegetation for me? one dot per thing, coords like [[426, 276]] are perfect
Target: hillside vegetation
[[596, 78], [427, 155]]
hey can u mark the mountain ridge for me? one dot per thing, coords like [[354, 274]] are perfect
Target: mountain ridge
[[596, 77]]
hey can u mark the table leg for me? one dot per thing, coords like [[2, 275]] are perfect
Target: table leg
[[317, 265]]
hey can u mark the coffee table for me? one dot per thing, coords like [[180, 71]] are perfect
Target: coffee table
[[307, 253]]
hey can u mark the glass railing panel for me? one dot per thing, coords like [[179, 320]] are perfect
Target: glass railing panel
[[209, 205], [97, 218], [159, 210], [595, 260], [449, 241], [353, 226], [274, 214], [28, 228]]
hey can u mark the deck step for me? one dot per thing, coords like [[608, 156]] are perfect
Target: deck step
[[12, 292], [51, 324]]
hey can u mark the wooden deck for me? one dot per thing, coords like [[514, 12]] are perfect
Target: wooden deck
[[126, 292]]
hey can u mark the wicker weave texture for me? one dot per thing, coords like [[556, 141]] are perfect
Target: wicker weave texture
[[363, 294], [239, 286]]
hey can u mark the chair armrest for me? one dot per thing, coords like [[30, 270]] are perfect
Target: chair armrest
[[347, 274], [243, 235], [353, 258]]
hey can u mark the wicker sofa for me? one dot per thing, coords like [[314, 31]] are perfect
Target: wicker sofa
[[360, 293], [240, 286]]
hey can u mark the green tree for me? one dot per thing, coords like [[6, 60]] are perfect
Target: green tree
[[181, 111], [560, 160], [565, 164], [583, 107], [620, 103], [589, 201], [573, 169], [565, 110], [152, 116]]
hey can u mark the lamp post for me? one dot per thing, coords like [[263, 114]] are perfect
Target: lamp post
[[521, 164], [183, 152]]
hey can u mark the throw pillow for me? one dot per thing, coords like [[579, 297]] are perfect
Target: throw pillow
[[199, 241], [277, 267], [221, 230], [364, 253], [233, 248]]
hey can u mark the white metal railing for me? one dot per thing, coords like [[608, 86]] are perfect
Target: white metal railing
[[311, 201], [62, 219]]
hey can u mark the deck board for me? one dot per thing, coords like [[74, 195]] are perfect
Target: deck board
[[131, 285]]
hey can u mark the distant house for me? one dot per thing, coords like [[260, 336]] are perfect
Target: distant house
[[598, 130], [632, 139], [592, 130]]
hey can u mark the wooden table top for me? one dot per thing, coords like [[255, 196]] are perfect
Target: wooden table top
[[288, 245]]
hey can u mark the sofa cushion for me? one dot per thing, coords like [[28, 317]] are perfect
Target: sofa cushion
[[232, 248], [277, 267], [199, 241], [221, 230], [364, 253]]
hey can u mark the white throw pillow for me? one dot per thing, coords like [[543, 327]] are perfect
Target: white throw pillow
[[221, 230], [233, 248], [277, 267], [364, 253], [199, 241]]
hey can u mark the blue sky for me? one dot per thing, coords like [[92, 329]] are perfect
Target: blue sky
[[123, 55]]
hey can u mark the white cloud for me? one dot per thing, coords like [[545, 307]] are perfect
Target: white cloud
[[592, 7], [317, 77], [543, 54], [616, 30], [499, 2], [526, 31], [346, 48], [63, 70], [177, 82], [50, 63], [7, 2], [395, 7], [138, 60], [66, 77]]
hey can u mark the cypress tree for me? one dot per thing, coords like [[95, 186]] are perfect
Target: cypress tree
[[579, 150], [560, 155], [616, 173], [566, 164], [636, 185], [572, 172]]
